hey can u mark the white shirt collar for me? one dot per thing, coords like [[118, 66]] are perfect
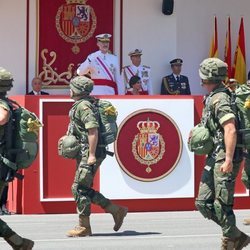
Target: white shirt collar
[[36, 93], [102, 54], [175, 76], [135, 67]]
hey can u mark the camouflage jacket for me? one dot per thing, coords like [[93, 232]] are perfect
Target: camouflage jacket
[[217, 110], [82, 117]]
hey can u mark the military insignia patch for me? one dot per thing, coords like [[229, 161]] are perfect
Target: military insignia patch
[[76, 22], [148, 145], [183, 85]]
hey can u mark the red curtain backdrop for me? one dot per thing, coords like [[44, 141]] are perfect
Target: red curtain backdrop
[[66, 35]]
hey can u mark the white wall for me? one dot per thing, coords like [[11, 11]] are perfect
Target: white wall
[[13, 41], [186, 34], [195, 28]]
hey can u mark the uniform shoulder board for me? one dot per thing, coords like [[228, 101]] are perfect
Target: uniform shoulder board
[[125, 66], [146, 66]]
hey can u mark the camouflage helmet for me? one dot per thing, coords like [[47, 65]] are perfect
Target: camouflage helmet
[[81, 85], [68, 147], [200, 141], [213, 69], [6, 80]]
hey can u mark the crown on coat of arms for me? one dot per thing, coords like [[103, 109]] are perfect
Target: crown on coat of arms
[[76, 1], [148, 126]]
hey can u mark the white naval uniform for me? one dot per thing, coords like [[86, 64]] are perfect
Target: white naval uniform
[[143, 72], [96, 64]]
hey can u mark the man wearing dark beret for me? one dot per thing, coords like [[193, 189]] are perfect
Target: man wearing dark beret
[[175, 84]]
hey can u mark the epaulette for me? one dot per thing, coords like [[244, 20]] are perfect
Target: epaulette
[[125, 66], [145, 66]]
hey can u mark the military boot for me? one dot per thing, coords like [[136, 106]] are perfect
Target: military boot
[[227, 244], [83, 229], [246, 222], [118, 214], [19, 243], [242, 241]]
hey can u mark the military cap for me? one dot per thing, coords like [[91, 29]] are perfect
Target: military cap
[[133, 80], [176, 61], [136, 52], [103, 37], [81, 85]]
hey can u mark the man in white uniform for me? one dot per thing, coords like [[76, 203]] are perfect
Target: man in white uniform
[[137, 69], [103, 68]]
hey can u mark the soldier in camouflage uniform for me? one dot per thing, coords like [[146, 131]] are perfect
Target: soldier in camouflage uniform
[[232, 86], [216, 192], [84, 126], [13, 239]]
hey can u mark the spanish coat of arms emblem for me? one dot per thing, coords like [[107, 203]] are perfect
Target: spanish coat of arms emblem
[[76, 22], [148, 146]]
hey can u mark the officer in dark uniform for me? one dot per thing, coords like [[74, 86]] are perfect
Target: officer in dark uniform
[[175, 84]]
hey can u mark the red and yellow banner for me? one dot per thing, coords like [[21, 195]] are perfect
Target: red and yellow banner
[[214, 42], [66, 36], [228, 49], [239, 66]]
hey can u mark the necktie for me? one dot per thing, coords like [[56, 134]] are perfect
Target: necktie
[[177, 79]]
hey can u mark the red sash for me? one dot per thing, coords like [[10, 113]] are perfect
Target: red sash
[[106, 68], [130, 71], [105, 82]]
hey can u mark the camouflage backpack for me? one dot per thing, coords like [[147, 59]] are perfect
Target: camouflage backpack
[[107, 116], [199, 140], [21, 134], [241, 105]]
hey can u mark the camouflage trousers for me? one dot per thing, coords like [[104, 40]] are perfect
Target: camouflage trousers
[[216, 196], [82, 189], [246, 174], [5, 230]]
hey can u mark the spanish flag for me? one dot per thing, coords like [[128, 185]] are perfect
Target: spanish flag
[[239, 66], [214, 42], [228, 49]]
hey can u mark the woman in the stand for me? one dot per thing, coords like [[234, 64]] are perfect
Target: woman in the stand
[[135, 86]]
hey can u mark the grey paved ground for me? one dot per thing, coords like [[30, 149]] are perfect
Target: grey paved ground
[[142, 231]]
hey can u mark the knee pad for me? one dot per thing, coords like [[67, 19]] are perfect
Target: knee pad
[[205, 208]]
